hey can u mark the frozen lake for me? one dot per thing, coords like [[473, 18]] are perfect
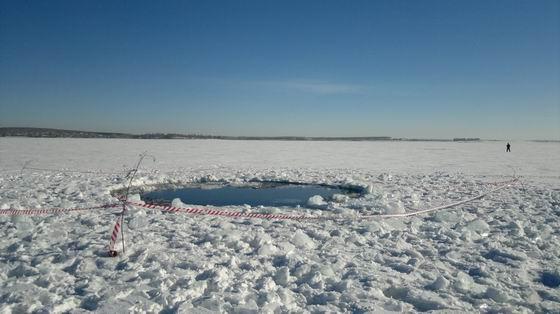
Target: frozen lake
[[476, 158], [500, 253]]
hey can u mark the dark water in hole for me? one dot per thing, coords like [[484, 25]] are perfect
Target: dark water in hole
[[284, 195]]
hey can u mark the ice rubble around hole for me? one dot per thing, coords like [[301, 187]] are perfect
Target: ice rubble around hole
[[312, 283], [316, 201]]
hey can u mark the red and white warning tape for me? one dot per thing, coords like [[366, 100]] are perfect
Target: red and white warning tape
[[503, 185], [115, 234], [48, 211], [224, 213], [235, 214]]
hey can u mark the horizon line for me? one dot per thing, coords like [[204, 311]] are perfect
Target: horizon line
[[175, 135]]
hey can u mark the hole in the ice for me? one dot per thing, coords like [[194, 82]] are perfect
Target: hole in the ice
[[253, 194], [550, 279]]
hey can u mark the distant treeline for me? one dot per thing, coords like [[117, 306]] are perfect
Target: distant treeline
[[466, 139], [53, 133], [43, 132]]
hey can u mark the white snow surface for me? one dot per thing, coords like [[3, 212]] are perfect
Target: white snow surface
[[497, 254]]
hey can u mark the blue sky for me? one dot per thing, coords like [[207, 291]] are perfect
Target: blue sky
[[422, 69]]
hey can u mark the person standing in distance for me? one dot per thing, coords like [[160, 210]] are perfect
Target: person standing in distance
[[508, 148]]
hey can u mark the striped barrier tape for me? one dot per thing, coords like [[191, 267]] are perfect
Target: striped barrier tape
[[224, 213], [213, 212], [504, 185], [48, 211], [114, 236]]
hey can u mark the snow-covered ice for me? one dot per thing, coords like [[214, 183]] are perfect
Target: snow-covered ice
[[497, 254]]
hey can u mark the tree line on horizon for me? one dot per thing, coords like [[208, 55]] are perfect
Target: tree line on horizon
[[60, 133]]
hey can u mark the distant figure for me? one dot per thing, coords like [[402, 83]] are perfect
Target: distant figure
[[508, 148]]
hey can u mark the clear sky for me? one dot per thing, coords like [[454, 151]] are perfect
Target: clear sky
[[418, 69]]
